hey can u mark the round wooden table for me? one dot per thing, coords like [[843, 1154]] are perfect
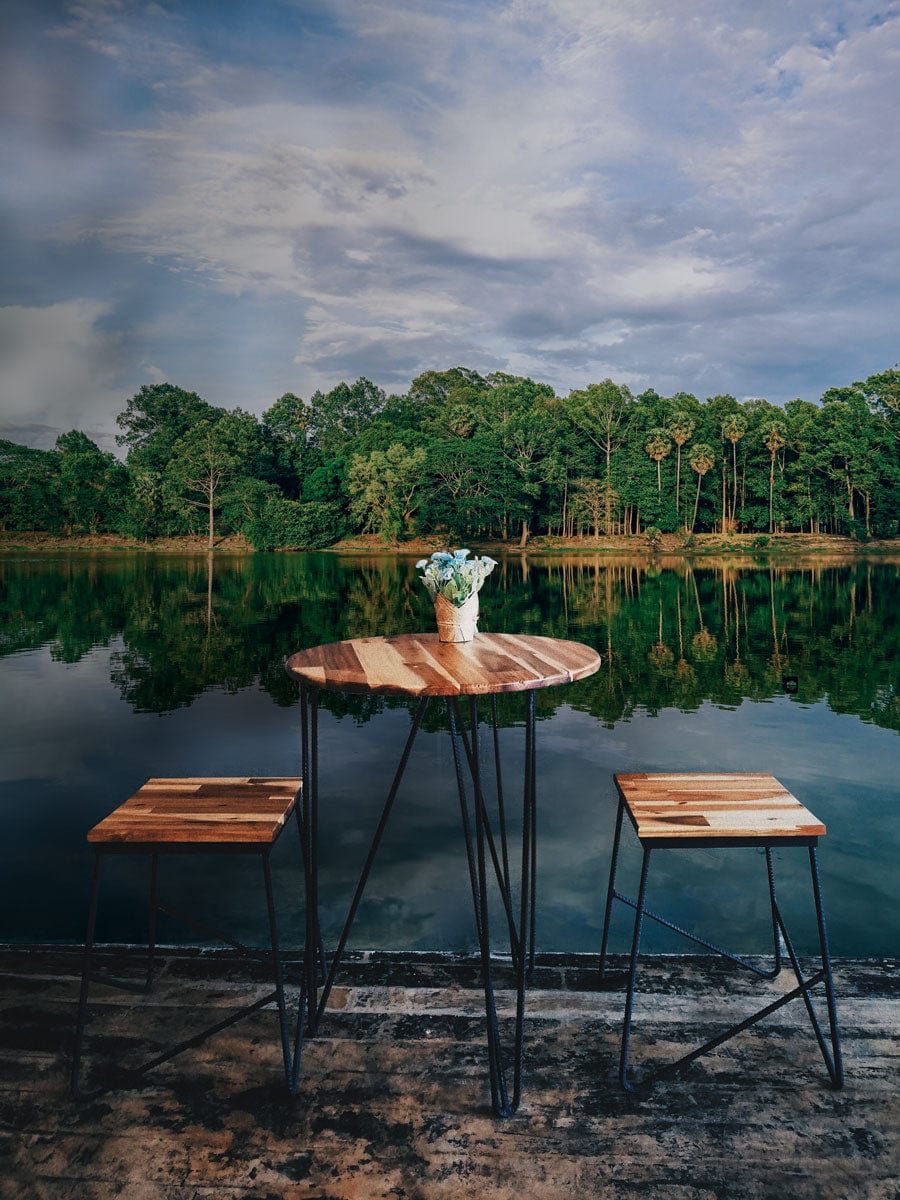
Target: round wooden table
[[422, 667]]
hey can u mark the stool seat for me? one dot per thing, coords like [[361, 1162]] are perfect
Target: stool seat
[[696, 806], [219, 811]]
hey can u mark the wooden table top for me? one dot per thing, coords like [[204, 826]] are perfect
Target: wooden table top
[[421, 665], [702, 805]]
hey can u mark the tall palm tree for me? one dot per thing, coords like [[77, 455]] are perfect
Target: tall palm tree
[[679, 428], [658, 446], [733, 428], [702, 459], [774, 440]]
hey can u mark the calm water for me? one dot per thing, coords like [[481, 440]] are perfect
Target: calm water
[[117, 668]]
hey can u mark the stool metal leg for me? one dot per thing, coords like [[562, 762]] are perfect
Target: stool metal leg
[[279, 979], [776, 941], [632, 973], [85, 980], [610, 891], [836, 1065], [151, 930]]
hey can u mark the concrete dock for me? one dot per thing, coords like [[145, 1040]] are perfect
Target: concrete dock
[[394, 1097]]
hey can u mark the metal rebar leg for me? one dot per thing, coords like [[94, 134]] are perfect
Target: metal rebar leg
[[501, 869], [279, 979], [836, 1065], [478, 880], [367, 866], [776, 940], [610, 891], [632, 973], [151, 924], [527, 898], [531, 802], [74, 1082], [501, 808]]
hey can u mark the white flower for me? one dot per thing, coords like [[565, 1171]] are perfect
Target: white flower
[[454, 576]]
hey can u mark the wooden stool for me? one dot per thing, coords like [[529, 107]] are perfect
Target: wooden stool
[[193, 816], [675, 811]]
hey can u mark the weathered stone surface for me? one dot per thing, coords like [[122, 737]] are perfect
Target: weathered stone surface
[[394, 1102]]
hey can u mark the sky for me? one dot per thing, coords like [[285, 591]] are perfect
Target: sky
[[250, 197]]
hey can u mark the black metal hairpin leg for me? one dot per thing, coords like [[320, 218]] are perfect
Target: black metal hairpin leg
[[279, 978], [773, 903], [835, 1066], [75, 1082], [611, 889], [632, 973], [477, 862], [316, 1011], [151, 923]]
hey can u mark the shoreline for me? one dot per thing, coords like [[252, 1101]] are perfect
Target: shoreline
[[739, 544]]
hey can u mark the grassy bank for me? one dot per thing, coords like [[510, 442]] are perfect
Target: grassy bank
[[669, 544]]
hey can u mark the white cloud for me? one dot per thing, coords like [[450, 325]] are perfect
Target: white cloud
[[59, 369], [651, 191]]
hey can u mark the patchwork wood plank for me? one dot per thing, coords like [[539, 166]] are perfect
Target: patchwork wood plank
[[220, 811], [422, 665], [696, 805]]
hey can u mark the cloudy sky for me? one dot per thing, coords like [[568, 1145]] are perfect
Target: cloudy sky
[[255, 196]]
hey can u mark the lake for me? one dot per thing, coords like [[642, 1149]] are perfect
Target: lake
[[117, 667]]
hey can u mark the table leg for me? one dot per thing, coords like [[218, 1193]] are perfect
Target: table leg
[[313, 1002], [521, 938]]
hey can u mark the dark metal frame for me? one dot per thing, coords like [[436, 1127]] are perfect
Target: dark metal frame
[[480, 844], [103, 850], [833, 1060]]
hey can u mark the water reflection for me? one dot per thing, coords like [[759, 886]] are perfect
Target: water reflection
[[117, 668], [672, 633]]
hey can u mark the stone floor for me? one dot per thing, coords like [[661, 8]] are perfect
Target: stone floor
[[394, 1101]]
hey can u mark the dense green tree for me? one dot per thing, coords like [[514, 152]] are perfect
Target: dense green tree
[[386, 489], [210, 459], [342, 414], [153, 421], [504, 457], [28, 495], [287, 424], [91, 485]]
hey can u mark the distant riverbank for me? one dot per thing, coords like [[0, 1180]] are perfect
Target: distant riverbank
[[670, 543]]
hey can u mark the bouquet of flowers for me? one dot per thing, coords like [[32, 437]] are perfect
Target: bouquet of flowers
[[454, 575]]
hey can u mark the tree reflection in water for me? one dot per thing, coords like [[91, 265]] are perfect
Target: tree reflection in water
[[180, 626]]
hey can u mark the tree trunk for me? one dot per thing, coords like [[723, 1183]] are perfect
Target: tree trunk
[[658, 479], [771, 490], [678, 482], [524, 538], [696, 502], [211, 541]]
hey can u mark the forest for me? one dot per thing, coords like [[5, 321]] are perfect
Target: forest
[[464, 456]]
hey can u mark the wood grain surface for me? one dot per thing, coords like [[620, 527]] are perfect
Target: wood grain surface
[[221, 811], [421, 665], [692, 805]]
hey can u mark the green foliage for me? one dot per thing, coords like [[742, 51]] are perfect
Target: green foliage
[[385, 487], [290, 525], [496, 457]]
